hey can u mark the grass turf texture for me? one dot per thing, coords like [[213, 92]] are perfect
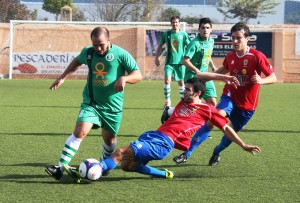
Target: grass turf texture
[[35, 123]]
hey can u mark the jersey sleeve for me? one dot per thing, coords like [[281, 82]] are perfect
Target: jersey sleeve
[[81, 58], [187, 39], [264, 64], [191, 50], [163, 38], [128, 62], [217, 119]]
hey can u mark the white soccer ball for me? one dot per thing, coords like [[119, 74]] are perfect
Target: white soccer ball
[[90, 169]]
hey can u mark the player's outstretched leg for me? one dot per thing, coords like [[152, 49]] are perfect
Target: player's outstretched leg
[[148, 170]]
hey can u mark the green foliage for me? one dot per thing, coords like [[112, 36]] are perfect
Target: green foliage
[[78, 15], [35, 123], [168, 13], [245, 9], [54, 6], [13, 10]]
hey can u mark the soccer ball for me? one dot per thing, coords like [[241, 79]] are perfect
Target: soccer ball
[[90, 169]]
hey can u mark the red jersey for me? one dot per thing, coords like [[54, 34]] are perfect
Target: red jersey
[[243, 67], [187, 119]]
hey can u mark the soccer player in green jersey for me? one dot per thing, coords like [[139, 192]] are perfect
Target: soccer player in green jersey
[[102, 95], [176, 41], [197, 58]]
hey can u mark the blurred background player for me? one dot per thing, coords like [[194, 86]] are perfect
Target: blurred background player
[[197, 58], [238, 104], [103, 94], [176, 41], [186, 118]]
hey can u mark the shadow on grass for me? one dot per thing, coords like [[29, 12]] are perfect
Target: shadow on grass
[[78, 107], [58, 134]]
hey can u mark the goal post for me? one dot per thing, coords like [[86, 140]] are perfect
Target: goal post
[[43, 49]]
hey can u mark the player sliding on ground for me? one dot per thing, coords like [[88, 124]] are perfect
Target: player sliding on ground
[[188, 116]]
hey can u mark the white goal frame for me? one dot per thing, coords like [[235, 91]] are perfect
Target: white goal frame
[[14, 22]]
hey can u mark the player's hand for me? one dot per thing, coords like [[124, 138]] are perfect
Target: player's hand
[[120, 84], [231, 80], [157, 62], [253, 149], [256, 78], [56, 84]]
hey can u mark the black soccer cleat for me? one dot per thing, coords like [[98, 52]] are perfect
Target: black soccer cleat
[[165, 116], [54, 171], [182, 158], [214, 160]]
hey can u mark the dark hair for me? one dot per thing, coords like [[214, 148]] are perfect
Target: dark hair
[[97, 31], [174, 18], [204, 21], [241, 26], [198, 84]]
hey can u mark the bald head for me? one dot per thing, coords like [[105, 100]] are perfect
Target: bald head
[[99, 31]]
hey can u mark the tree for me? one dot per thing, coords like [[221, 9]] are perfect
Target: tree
[[246, 9], [78, 15], [54, 6], [124, 10], [168, 13], [13, 10]]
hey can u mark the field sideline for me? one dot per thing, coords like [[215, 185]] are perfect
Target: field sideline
[[35, 123]]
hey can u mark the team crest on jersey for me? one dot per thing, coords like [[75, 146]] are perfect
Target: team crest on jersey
[[180, 37], [232, 62], [245, 62], [109, 57], [244, 71]]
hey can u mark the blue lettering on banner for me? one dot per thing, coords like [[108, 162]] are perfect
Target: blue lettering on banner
[[261, 41]]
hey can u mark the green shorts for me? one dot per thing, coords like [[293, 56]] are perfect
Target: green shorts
[[177, 69], [210, 90], [110, 121]]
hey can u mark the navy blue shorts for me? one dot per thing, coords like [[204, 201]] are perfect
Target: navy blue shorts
[[238, 118], [151, 145]]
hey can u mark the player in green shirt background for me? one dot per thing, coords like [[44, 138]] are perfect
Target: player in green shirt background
[[176, 41], [102, 96], [197, 58]]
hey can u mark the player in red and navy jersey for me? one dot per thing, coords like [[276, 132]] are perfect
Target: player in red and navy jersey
[[238, 104], [187, 117]]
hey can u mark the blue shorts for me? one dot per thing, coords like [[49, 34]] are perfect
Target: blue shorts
[[238, 118], [151, 145]]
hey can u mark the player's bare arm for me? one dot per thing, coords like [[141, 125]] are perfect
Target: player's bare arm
[[233, 136], [187, 62], [158, 51], [132, 78], [263, 81], [215, 76], [72, 67], [212, 65]]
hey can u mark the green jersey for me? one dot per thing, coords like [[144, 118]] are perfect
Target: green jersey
[[106, 70], [176, 43], [199, 52]]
